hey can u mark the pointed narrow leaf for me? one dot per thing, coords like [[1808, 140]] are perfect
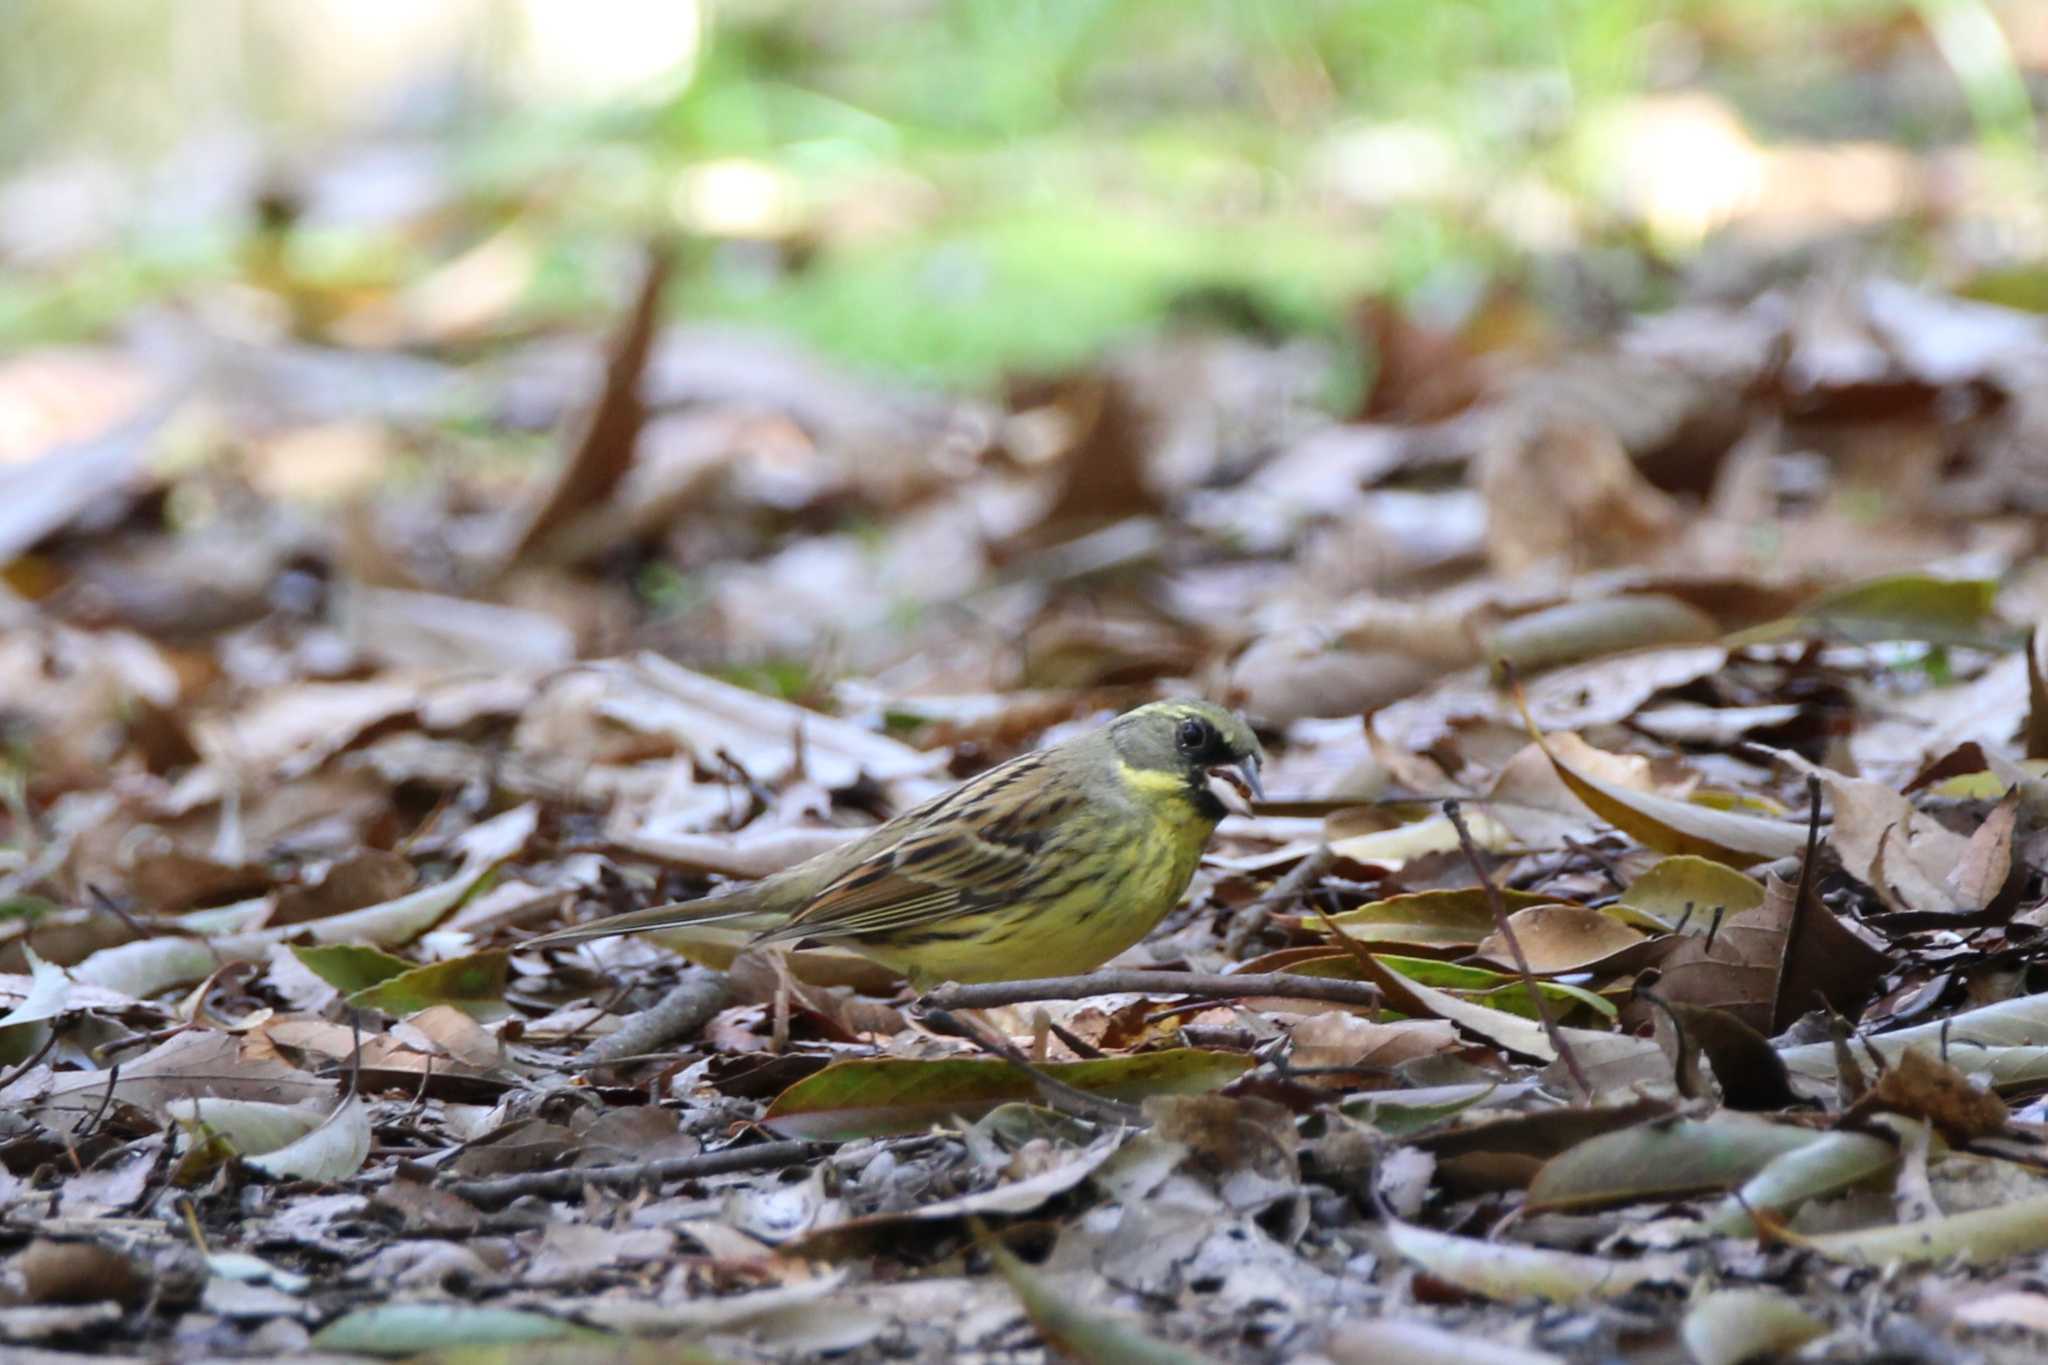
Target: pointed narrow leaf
[[1662, 1160], [1673, 826], [350, 967], [404, 1329], [1508, 1271], [469, 982]]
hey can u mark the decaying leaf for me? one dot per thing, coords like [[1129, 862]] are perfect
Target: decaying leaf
[[892, 1095]]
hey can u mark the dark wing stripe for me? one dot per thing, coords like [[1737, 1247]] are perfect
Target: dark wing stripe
[[974, 849]]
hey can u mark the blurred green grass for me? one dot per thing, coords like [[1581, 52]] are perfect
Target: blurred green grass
[[1071, 168]]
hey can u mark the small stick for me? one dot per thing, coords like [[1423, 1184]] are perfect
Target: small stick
[[1057, 1093], [1500, 922], [686, 1008], [766, 1156], [1212, 986], [1245, 921]]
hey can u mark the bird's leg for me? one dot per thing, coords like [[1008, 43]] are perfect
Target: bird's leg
[[1041, 1034], [778, 1035]]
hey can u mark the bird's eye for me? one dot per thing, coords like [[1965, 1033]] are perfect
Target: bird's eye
[[1194, 735]]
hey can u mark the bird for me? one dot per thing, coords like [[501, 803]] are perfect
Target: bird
[[1047, 865]]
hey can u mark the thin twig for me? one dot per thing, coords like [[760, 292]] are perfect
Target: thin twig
[[30, 1065], [686, 1008], [766, 1156], [1246, 919], [1067, 1099], [1507, 932], [1211, 986], [1081, 1046]]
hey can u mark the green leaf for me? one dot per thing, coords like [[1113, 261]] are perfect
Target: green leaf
[[1495, 990], [1909, 606], [1674, 885], [403, 1329], [1398, 1113], [26, 907], [350, 967], [903, 1095], [1663, 1160], [470, 983]]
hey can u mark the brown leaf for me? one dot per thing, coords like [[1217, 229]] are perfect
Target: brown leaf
[[1341, 1039], [368, 876], [1987, 863], [1739, 967], [1896, 851], [1563, 488], [1569, 938], [1103, 476], [1920, 1087], [603, 448], [78, 1272], [1748, 1069], [1228, 1133]]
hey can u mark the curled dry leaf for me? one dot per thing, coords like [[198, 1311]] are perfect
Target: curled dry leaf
[[1341, 1040], [1458, 918], [1673, 826], [192, 1063], [1752, 967], [1918, 1087]]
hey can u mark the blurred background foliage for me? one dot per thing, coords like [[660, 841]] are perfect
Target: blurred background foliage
[[956, 189]]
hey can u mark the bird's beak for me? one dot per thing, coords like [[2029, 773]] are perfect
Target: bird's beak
[[1237, 784], [1249, 766]]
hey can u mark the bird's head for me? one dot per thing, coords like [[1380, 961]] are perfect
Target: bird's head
[[1190, 742]]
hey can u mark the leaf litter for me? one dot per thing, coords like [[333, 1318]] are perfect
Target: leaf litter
[[1707, 1023]]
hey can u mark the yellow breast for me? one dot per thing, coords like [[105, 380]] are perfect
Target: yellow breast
[[1082, 921]]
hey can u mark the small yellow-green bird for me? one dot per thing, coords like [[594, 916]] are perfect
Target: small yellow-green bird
[[1047, 865]]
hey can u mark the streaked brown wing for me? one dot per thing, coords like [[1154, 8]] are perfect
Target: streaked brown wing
[[976, 847]]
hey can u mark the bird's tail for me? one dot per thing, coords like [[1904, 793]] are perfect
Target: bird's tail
[[741, 911]]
